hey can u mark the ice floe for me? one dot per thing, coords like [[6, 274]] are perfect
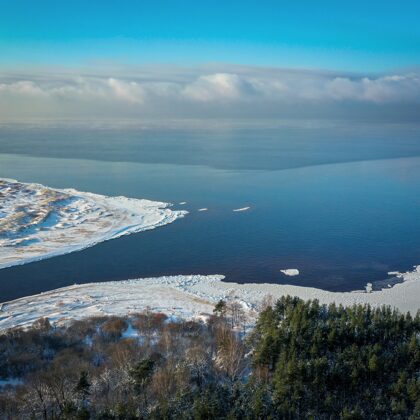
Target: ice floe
[[38, 222], [191, 296], [290, 272]]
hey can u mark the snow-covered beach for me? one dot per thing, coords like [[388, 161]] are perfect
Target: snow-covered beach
[[38, 222], [191, 296]]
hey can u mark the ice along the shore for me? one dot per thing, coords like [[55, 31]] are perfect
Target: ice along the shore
[[38, 222]]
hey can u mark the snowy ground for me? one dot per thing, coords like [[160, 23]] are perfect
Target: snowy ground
[[186, 296], [38, 222]]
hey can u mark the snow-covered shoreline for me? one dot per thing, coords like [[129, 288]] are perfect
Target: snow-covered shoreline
[[191, 296], [39, 222]]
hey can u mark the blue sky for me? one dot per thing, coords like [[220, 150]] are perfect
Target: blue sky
[[194, 59], [356, 35]]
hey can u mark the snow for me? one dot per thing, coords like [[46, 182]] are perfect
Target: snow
[[187, 297], [130, 332], [241, 209], [38, 222], [163, 294], [290, 272]]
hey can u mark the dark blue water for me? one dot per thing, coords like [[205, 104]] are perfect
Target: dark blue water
[[340, 202]]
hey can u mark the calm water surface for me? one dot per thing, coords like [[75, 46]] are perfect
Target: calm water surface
[[340, 202]]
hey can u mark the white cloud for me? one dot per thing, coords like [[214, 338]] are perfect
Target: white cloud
[[199, 91], [22, 87], [126, 91], [218, 86]]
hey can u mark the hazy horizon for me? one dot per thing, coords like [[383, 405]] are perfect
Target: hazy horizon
[[213, 60]]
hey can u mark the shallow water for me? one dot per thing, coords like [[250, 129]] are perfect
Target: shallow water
[[340, 203]]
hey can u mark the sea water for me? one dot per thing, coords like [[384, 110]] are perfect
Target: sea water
[[338, 201]]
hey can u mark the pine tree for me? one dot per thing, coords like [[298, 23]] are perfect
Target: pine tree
[[220, 308], [83, 385]]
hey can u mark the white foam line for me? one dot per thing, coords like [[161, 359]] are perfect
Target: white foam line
[[242, 209]]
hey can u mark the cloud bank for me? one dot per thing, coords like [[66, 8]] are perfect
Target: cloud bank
[[215, 91]]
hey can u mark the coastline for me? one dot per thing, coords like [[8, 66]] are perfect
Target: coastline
[[67, 220], [188, 297]]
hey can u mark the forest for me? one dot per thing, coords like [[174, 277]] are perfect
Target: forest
[[301, 360]]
